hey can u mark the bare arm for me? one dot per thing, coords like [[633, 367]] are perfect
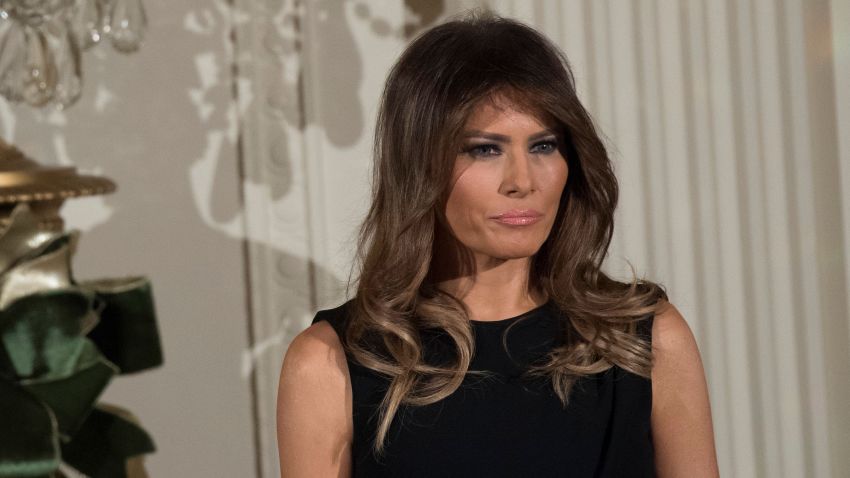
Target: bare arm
[[314, 421], [681, 415]]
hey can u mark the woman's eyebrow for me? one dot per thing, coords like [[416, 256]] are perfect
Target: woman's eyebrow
[[502, 138], [542, 134]]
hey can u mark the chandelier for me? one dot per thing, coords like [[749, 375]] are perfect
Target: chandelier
[[41, 43]]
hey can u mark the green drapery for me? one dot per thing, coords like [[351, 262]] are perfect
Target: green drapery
[[61, 342]]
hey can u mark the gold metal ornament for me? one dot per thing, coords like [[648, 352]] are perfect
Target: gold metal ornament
[[45, 188]]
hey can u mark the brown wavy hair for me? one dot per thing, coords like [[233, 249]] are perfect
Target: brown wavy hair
[[429, 94]]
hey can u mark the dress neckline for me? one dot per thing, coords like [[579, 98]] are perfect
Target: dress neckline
[[505, 322]]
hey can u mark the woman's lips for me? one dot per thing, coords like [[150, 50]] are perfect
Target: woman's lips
[[518, 217], [517, 220]]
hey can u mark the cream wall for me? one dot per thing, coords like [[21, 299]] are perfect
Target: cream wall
[[149, 121], [240, 137]]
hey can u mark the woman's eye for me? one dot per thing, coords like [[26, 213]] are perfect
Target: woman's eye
[[483, 150], [544, 147]]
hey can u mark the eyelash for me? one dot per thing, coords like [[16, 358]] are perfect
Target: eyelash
[[475, 150]]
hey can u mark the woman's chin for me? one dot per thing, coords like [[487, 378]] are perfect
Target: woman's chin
[[516, 252]]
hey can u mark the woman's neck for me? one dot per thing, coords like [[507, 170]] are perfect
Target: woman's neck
[[496, 291]]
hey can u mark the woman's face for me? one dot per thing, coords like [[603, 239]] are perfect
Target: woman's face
[[507, 182]]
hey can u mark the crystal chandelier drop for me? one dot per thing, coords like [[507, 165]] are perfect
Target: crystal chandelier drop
[[41, 43]]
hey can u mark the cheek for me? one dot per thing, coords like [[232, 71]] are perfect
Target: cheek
[[468, 202], [556, 178]]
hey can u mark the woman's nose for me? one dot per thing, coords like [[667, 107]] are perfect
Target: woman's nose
[[518, 176]]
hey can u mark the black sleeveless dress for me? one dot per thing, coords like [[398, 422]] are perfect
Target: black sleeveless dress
[[505, 425]]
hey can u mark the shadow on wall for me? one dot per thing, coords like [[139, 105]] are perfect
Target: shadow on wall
[[330, 100], [296, 92]]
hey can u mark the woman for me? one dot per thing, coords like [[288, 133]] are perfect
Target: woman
[[484, 340]]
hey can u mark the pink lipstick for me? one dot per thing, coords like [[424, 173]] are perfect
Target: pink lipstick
[[518, 217]]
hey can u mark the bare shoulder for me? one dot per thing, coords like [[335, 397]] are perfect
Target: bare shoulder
[[681, 413], [316, 349], [314, 405], [671, 333]]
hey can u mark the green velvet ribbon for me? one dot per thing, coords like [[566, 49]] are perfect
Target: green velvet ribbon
[[100, 448], [61, 342], [29, 444]]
